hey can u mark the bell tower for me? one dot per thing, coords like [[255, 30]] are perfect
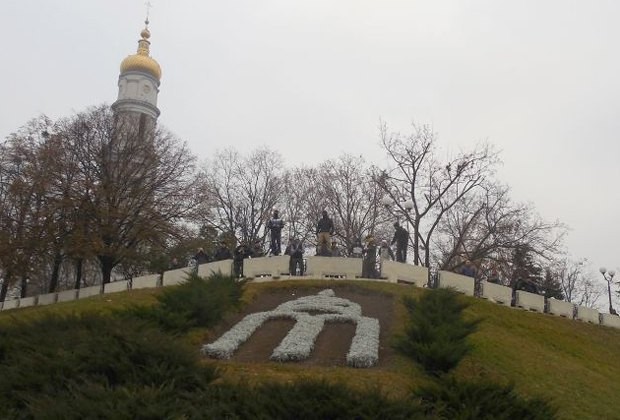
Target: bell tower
[[138, 86]]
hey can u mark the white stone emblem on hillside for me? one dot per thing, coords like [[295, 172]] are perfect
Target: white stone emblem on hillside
[[310, 313]]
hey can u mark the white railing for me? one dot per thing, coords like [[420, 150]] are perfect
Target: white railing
[[529, 301], [497, 293], [275, 268], [458, 282]]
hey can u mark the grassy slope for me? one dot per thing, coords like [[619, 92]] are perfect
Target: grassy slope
[[569, 362]]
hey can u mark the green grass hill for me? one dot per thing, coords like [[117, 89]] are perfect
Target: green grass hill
[[570, 364]]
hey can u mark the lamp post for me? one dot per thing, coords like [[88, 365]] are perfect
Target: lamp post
[[609, 277]]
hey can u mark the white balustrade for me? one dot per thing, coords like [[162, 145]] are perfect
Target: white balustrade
[[587, 315], [529, 301], [116, 286], [497, 293], [338, 267], [396, 271], [266, 266], [561, 308], [67, 295], [10, 304], [459, 282], [28, 301], [89, 291], [174, 277], [610, 320], [47, 299], [224, 267], [144, 282]]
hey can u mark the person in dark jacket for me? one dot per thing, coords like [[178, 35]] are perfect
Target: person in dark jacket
[[401, 238], [295, 251], [358, 249], [241, 252], [275, 225], [369, 264], [324, 231], [222, 253], [201, 257]]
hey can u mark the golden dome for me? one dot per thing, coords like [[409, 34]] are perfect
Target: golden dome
[[141, 61]]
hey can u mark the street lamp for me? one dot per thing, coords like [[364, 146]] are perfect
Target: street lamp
[[609, 277]]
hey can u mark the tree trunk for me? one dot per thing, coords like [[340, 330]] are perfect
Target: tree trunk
[[107, 265], [24, 288], [55, 273], [427, 263], [78, 272], [416, 243], [5, 286]]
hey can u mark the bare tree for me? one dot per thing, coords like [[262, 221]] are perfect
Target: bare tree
[[23, 213], [487, 227], [132, 187], [578, 283], [303, 201], [434, 187], [240, 192], [353, 197]]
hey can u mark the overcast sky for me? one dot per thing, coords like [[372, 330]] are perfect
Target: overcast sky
[[538, 79]]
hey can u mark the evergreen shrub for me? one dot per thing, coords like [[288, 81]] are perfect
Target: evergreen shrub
[[435, 335], [307, 399], [54, 355], [197, 302], [452, 399]]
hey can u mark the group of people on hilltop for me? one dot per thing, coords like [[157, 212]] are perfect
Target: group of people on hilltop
[[326, 246]]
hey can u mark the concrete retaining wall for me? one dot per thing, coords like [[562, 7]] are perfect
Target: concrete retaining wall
[[173, 277], [459, 282], [530, 301], [610, 320], [144, 282], [89, 291], [561, 308], [28, 301], [224, 267], [587, 315], [67, 295], [395, 271], [47, 299], [10, 304], [116, 286], [266, 266], [497, 293], [321, 267]]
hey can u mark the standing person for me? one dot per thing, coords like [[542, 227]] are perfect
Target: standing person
[[358, 249], [369, 264], [174, 264], [201, 257], [401, 238], [324, 230], [275, 225], [295, 251], [468, 269], [385, 252], [222, 252], [257, 250], [241, 252], [494, 276], [335, 251]]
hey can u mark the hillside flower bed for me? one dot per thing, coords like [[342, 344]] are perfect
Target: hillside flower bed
[[299, 342]]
